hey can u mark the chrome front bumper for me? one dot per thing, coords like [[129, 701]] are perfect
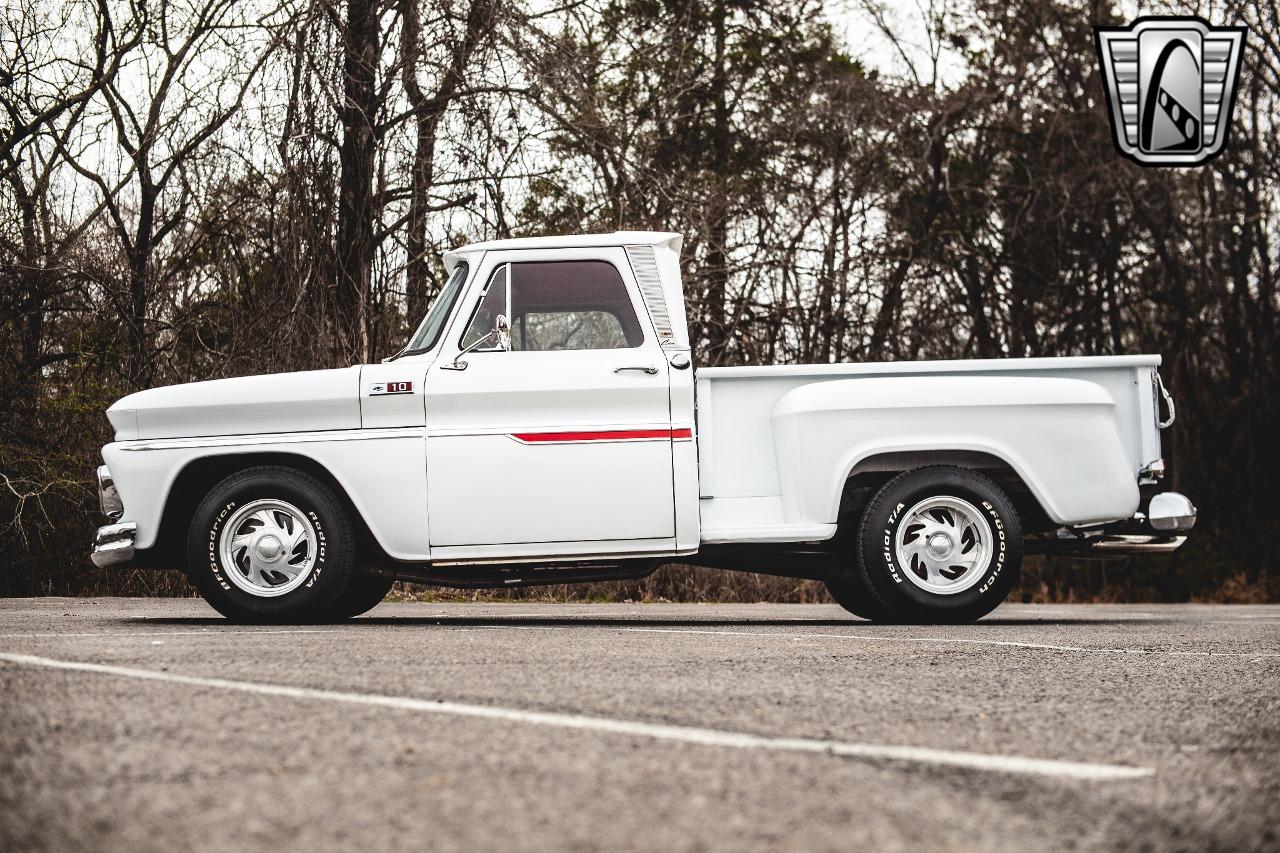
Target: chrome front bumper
[[108, 496], [113, 545]]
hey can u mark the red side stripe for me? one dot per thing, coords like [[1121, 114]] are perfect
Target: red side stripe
[[603, 435]]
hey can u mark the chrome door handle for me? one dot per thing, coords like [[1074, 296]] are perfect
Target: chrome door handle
[[648, 368]]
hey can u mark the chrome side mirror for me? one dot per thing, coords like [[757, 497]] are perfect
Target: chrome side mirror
[[499, 334], [502, 331]]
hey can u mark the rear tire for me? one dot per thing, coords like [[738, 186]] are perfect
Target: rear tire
[[849, 589], [271, 544], [935, 545]]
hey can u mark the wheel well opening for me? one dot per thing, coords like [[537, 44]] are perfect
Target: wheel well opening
[[200, 475], [870, 474]]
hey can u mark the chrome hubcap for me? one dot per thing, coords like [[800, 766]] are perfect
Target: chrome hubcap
[[268, 548], [944, 545]]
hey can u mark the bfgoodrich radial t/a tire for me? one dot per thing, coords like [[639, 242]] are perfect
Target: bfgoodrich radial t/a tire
[[938, 544], [271, 544]]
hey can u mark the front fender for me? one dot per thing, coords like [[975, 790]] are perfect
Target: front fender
[[382, 472], [1058, 435]]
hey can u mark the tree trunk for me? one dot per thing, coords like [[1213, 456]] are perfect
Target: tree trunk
[[918, 229], [139, 370], [428, 112], [355, 196], [717, 203]]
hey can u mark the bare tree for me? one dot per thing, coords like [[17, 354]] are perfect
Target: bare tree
[[161, 121], [45, 97], [428, 109]]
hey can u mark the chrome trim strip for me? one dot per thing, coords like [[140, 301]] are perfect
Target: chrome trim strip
[[113, 544], [552, 561], [256, 439]]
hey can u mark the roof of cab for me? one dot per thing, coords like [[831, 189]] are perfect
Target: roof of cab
[[569, 241]]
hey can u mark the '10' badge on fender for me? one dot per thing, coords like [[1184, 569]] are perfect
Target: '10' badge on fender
[[1171, 85], [390, 388]]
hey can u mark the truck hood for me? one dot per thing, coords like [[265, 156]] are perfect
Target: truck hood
[[279, 402]]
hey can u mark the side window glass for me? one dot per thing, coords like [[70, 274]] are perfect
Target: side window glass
[[493, 303], [571, 305]]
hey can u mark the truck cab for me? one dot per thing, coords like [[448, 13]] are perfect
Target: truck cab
[[581, 414], [545, 423]]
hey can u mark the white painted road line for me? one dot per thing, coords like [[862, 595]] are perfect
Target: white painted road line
[[954, 640], [629, 728]]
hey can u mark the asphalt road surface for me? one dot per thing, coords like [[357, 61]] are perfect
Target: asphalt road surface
[[154, 725]]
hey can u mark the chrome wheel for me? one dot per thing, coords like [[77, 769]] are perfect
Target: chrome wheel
[[268, 548], [944, 545]]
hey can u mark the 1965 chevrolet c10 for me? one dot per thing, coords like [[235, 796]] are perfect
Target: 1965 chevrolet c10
[[545, 425]]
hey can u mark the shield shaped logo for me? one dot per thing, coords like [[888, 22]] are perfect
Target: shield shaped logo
[[1171, 84]]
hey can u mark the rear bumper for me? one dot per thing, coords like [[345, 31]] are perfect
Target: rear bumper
[[113, 545], [1171, 512], [1159, 530], [1122, 544]]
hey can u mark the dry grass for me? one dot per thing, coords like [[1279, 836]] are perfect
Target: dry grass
[[1238, 589], [669, 583]]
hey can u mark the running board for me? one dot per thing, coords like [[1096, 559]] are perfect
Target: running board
[[499, 575]]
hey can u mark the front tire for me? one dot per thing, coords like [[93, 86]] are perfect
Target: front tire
[[271, 544], [364, 593], [935, 545]]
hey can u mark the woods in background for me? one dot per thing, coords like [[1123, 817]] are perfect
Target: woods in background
[[207, 188]]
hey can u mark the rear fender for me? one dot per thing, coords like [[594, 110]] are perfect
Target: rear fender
[[1058, 435]]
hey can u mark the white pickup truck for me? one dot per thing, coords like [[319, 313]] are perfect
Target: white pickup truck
[[545, 425]]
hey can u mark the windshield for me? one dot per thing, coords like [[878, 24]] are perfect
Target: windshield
[[429, 332]]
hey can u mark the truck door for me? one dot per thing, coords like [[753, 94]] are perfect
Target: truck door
[[567, 436]]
